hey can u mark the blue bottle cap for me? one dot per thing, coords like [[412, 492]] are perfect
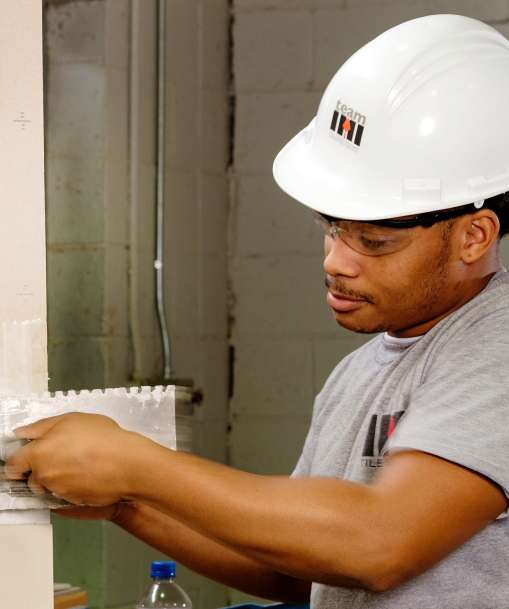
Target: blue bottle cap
[[163, 569]]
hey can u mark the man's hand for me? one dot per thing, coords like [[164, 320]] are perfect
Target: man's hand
[[82, 458]]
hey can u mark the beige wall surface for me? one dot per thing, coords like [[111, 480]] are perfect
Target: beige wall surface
[[22, 231], [26, 548]]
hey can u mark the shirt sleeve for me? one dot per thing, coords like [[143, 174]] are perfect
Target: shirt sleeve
[[460, 412]]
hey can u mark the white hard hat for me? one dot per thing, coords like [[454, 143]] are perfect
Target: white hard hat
[[415, 121]]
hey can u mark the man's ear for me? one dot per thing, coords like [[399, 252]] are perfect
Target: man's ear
[[480, 232]]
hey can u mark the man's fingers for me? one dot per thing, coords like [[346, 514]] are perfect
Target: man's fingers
[[37, 429], [19, 464], [35, 487]]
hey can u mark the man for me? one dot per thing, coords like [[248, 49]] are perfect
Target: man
[[411, 250]]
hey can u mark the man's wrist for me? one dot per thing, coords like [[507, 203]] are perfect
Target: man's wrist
[[136, 464]]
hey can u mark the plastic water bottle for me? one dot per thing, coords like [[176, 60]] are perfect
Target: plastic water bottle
[[164, 592]]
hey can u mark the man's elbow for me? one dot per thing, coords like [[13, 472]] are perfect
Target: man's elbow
[[389, 571], [383, 583], [378, 570]]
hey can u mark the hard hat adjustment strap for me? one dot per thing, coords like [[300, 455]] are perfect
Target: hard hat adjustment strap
[[430, 218], [426, 220]]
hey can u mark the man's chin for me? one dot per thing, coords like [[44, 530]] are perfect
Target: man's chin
[[358, 326]]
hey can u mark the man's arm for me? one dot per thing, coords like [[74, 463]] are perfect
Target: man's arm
[[209, 558], [419, 509], [332, 531]]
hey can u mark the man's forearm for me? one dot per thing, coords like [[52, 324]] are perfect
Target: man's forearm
[[207, 557], [293, 526]]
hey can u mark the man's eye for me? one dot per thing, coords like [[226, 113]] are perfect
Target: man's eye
[[374, 244]]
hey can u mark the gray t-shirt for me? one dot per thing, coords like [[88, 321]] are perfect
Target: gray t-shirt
[[445, 394]]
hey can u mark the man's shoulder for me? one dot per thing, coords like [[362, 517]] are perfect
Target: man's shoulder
[[475, 334], [486, 313], [496, 288]]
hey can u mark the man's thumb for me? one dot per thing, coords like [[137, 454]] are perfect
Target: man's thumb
[[36, 430]]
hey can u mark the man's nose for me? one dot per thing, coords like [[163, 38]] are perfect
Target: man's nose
[[340, 259]]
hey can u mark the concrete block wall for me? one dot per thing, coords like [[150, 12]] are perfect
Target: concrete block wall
[[285, 340], [87, 82], [96, 242], [197, 210], [86, 125]]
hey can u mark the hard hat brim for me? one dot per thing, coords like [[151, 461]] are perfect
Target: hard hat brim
[[340, 195]]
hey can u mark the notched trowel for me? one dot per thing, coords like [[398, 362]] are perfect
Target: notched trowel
[[146, 410]]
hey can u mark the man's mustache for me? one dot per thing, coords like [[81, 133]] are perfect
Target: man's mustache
[[336, 285]]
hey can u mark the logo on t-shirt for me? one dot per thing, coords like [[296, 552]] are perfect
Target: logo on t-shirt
[[380, 429]]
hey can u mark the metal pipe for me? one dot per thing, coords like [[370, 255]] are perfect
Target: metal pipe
[[161, 128], [134, 168]]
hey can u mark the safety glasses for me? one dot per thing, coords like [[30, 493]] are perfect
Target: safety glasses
[[364, 238], [382, 237]]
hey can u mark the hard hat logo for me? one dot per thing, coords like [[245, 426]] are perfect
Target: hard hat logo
[[348, 128], [348, 123]]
